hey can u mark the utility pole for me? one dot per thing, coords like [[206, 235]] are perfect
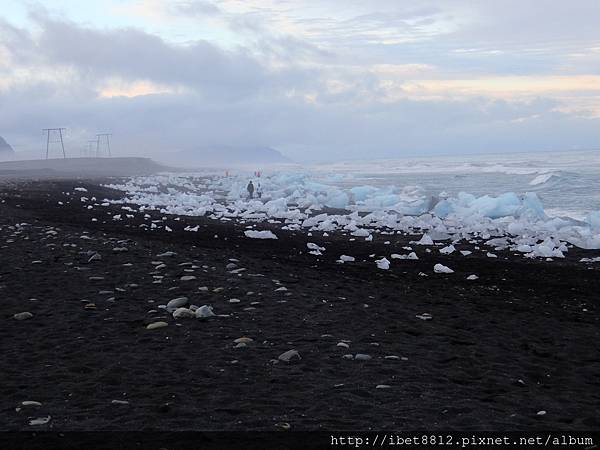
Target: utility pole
[[54, 131], [105, 138]]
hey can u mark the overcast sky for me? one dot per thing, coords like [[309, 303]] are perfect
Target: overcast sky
[[316, 79]]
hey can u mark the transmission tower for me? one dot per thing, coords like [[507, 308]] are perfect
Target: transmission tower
[[104, 139], [54, 132]]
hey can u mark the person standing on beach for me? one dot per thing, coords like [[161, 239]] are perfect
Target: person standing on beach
[[258, 191], [250, 188]]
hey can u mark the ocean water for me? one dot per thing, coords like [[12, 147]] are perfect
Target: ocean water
[[568, 183]]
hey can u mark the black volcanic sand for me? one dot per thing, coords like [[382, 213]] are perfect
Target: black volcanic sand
[[532, 321]]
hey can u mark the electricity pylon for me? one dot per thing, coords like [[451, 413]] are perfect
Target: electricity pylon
[[55, 131], [104, 139]]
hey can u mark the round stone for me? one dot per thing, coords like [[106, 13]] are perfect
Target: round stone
[[155, 325], [23, 315]]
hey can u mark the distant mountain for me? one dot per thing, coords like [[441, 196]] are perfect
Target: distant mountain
[[5, 147], [225, 155]]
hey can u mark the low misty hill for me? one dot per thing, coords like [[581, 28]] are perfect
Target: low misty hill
[[224, 155], [79, 168], [5, 147]]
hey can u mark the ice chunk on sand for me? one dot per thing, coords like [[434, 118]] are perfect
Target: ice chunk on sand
[[361, 232], [447, 250], [411, 255], [316, 250], [266, 234], [596, 259], [204, 311], [425, 240], [440, 268], [383, 264]]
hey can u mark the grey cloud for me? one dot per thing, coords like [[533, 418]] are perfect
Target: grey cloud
[[235, 98], [134, 54], [169, 122], [195, 8]]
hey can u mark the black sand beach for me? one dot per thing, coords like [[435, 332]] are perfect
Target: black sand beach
[[522, 339]]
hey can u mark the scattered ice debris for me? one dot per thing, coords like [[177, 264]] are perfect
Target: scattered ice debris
[[315, 247], [204, 311], [541, 413], [448, 250], [596, 259], [80, 189], [425, 240], [549, 248], [465, 252], [120, 249], [472, 277], [166, 254], [383, 263], [155, 325], [346, 258], [120, 402], [440, 268], [342, 344], [424, 316], [506, 221], [23, 315], [491, 255], [266, 234], [362, 357], [411, 255], [289, 356], [383, 386]]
